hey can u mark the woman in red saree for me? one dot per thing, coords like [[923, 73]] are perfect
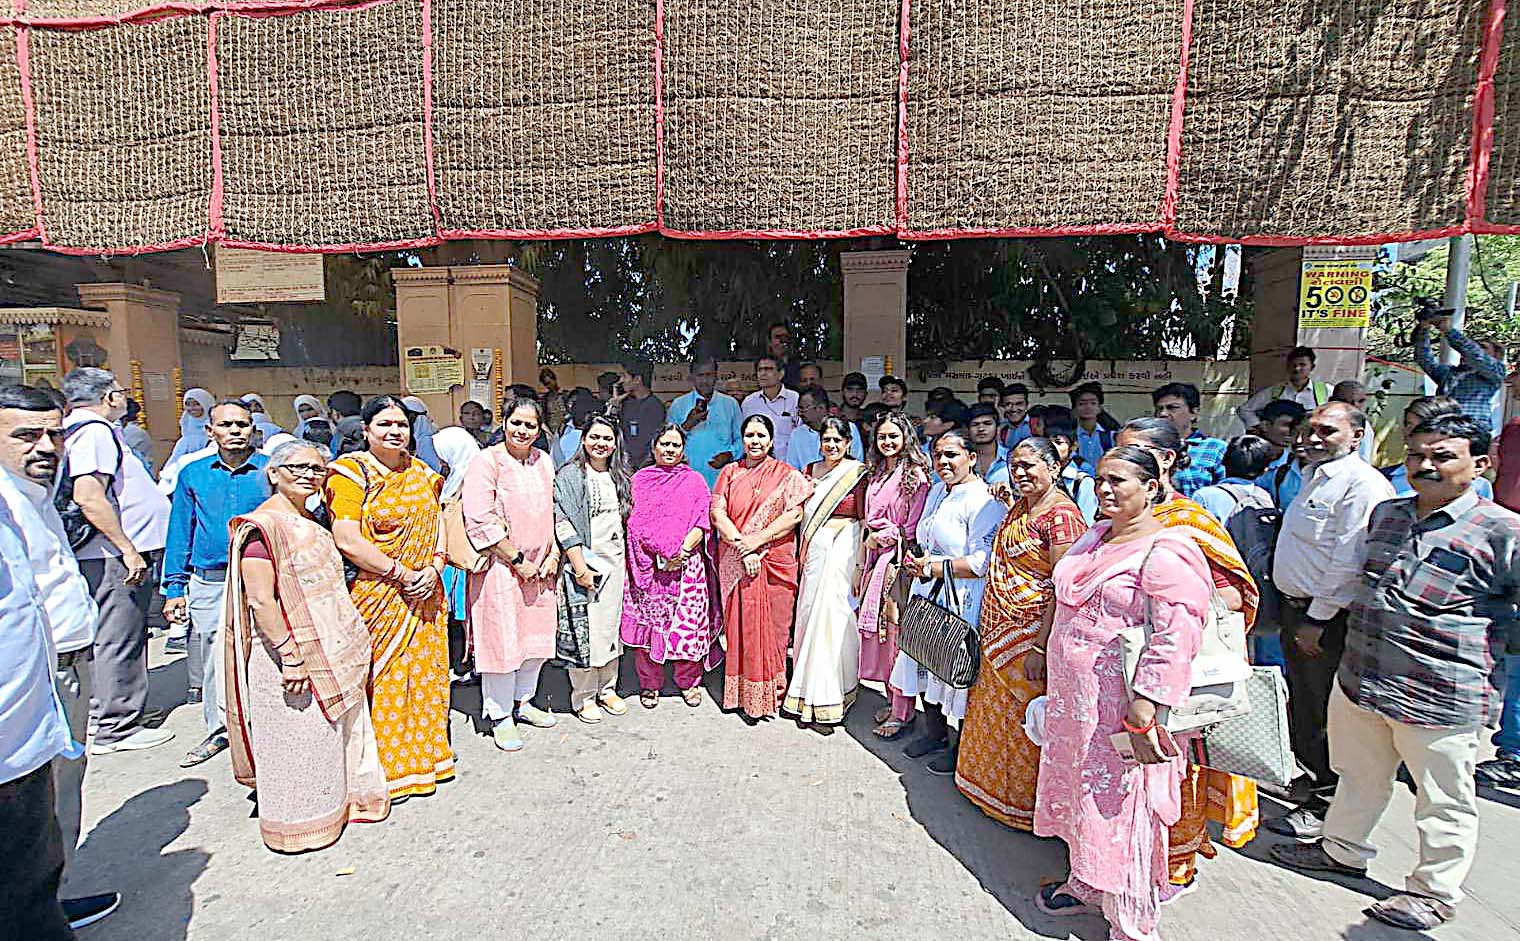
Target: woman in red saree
[[756, 506]]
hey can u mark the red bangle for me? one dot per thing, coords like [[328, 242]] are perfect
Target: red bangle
[[1134, 731]]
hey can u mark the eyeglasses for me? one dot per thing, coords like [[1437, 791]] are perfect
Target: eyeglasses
[[305, 470]]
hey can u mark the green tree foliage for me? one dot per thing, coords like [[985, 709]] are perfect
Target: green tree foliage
[[1129, 297], [1495, 263]]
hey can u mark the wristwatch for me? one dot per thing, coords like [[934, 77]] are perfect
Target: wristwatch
[[518, 559]]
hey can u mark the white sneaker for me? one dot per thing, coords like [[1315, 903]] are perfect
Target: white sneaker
[[137, 741]]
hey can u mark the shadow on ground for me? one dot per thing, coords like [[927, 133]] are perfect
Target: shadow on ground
[[1009, 865], [126, 852]]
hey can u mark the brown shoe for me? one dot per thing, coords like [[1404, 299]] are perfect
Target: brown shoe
[[1311, 857], [1411, 912]]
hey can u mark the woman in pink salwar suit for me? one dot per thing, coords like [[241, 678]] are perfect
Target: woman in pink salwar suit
[[1113, 812], [895, 495]]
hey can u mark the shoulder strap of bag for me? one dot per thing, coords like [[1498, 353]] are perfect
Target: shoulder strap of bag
[[948, 579], [109, 430]]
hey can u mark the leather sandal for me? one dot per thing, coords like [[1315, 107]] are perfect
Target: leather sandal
[[692, 697], [1411, 912], [649, 698]]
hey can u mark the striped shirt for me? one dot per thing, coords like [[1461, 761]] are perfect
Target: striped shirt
[[1426, 636]]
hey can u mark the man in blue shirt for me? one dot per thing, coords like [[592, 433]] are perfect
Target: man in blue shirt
[[1285, 476], [1474, 381], [991, 460], [33, 731], [1093, 440], [1014, 405], [209, 493], [1076, 476], [1178, 403], [711, 420]]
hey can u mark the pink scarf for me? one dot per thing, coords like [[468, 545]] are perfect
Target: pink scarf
[[889, 513], [668, 503]]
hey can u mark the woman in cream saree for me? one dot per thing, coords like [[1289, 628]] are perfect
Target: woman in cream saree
[[826, 645]]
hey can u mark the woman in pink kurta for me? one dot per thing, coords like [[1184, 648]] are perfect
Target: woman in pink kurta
[[508, 502], [895, 495], [1113, 812]]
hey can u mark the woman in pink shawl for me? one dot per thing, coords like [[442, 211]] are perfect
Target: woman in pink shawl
[[670, 611], [895, 494], [1113, 811]]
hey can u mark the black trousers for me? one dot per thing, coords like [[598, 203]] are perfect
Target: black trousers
[[1310, 680], [32, 862]]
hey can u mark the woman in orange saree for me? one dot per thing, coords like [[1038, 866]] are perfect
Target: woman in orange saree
[[386, 520], [756, 506], [998, 765], [297, 664], [1228, 799]]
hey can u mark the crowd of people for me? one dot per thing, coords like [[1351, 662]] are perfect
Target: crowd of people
[[329, 584]]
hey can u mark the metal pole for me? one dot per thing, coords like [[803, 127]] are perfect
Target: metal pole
[[1458, 268]]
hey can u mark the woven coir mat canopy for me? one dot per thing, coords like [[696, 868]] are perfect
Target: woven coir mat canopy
[[334, 125]]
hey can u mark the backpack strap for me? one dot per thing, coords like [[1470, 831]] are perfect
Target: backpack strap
[[111, 430]]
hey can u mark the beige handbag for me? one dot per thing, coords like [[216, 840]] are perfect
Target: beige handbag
[[456, 542]]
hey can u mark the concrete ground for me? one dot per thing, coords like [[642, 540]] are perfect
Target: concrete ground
[[673, 823]]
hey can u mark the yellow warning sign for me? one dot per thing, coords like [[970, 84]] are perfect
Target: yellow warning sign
[[1335, 293]]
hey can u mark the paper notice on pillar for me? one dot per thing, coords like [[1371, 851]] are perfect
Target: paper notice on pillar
[[156, 386], [874, 367], [245, 276], [432, 369]]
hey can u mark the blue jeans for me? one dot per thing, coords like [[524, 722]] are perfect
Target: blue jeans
[[1507, 739], [1267, 651]]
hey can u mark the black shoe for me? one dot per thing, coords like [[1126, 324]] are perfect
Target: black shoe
[[926, 745], [1311, 857], [944, 765], [88, 909], [1301, 823], [1503, 771]]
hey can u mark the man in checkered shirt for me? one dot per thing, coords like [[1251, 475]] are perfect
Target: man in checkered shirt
[[1420, 676], [1178, 403], [1474, 381]]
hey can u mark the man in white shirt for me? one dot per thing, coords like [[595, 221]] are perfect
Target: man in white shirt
[[1299, 386], [33, 731], [775, 402], [1318, 569], [31, 449], [806, 445], [131, 517]]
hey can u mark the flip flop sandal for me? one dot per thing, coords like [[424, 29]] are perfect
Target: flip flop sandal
[[1052, 901], [1411, 912], [889, 729], [692, 697], [648, 698], [883, 714]]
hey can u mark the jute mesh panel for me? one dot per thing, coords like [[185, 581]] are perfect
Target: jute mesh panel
[[780, 114], [123, 133], [321, 119], [16, 210], [1503, 197], [543, 113], [82, 9], [1318, 117], [1039, 114]]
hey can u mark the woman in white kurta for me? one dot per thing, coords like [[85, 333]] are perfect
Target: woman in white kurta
[[955, 532], [592, 498], [826, 644]]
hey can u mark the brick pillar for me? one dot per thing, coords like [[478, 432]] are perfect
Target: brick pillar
[[145, 330], [875, 307], [465, 308]]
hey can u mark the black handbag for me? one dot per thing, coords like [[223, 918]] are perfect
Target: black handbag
[[938, 639]]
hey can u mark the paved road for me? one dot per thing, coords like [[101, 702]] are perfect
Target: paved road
[[673, 823]]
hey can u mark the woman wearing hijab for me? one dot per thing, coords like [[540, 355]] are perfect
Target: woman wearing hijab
[[308, 408], [457, 449], [262, 423], [192, 424], [423, 431]]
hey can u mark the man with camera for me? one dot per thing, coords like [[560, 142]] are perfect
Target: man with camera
[[1475, 380]]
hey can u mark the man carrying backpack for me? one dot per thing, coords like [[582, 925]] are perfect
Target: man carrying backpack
[[1248, 514], [118, 499]]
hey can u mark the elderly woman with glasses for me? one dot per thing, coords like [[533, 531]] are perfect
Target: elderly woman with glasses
[[297, 662]]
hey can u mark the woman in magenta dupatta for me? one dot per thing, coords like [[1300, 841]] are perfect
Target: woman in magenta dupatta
[[1113, 812], [670, 611], [895, 494], [757, 504]]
